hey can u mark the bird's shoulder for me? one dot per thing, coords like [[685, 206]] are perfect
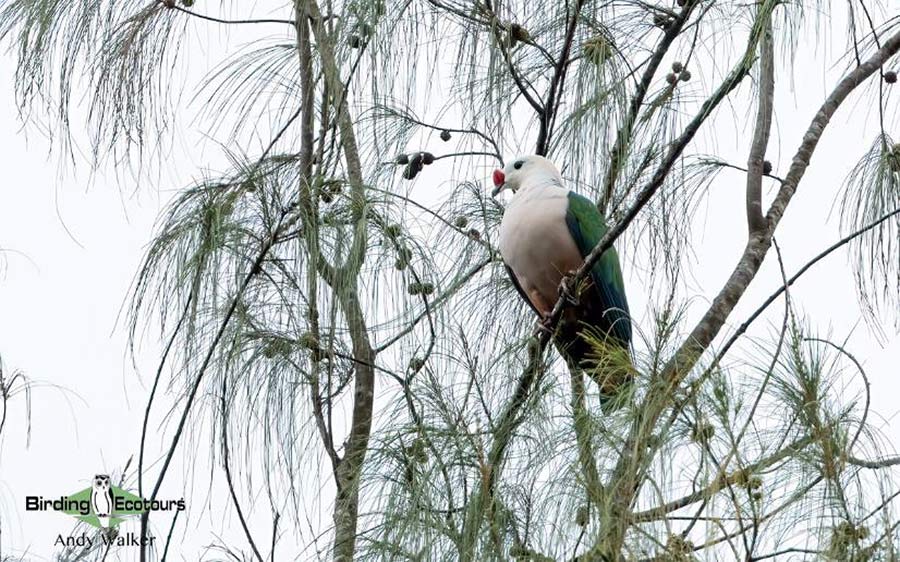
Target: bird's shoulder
[[585, 211]]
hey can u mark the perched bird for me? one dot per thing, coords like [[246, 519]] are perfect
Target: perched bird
[[546, 233]]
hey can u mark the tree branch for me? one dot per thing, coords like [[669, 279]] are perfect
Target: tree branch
[[507, 58], [153, 389], [228, 22], [703, 334], [346, 288], [581, 422], [784, 287], [720, 482], [626, 479], [755, 220], [554, 92], [874, 464]]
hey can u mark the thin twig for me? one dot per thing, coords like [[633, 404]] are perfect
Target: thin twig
[[557, 82], [862, 372], [720, 482], [169, 536], [224, 21], [806, 267], [159, 369], [874, 464], [226, 454], [624, 135]]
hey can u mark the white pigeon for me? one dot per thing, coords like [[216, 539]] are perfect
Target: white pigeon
[[546, 233]]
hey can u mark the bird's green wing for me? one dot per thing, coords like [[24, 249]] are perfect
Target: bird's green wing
[[587, 227]]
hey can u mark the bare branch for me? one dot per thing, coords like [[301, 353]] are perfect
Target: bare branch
[[227, 22], [755, 170], [554, 92], [874, 464], [226, 462]]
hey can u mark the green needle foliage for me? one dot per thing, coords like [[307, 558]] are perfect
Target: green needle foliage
[[339, 332]]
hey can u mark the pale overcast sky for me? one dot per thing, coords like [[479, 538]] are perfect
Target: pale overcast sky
[[73, 252]]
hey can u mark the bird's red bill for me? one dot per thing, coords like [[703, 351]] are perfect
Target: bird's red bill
[[499, 178]]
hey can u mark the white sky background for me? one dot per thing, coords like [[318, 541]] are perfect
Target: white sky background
[[59, 301]]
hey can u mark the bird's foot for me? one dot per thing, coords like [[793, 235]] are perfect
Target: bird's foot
[[567, 288], [545, 324]]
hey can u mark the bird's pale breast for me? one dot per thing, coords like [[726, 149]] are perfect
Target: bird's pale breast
[[536, 244]]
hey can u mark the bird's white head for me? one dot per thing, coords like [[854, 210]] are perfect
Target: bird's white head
[[526, 171]]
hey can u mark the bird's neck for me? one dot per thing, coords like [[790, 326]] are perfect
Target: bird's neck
[[541, 183]]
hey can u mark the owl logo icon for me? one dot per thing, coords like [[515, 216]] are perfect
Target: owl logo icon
[[102, 499]]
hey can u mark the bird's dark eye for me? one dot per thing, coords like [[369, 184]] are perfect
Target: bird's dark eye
[[518, 164]]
